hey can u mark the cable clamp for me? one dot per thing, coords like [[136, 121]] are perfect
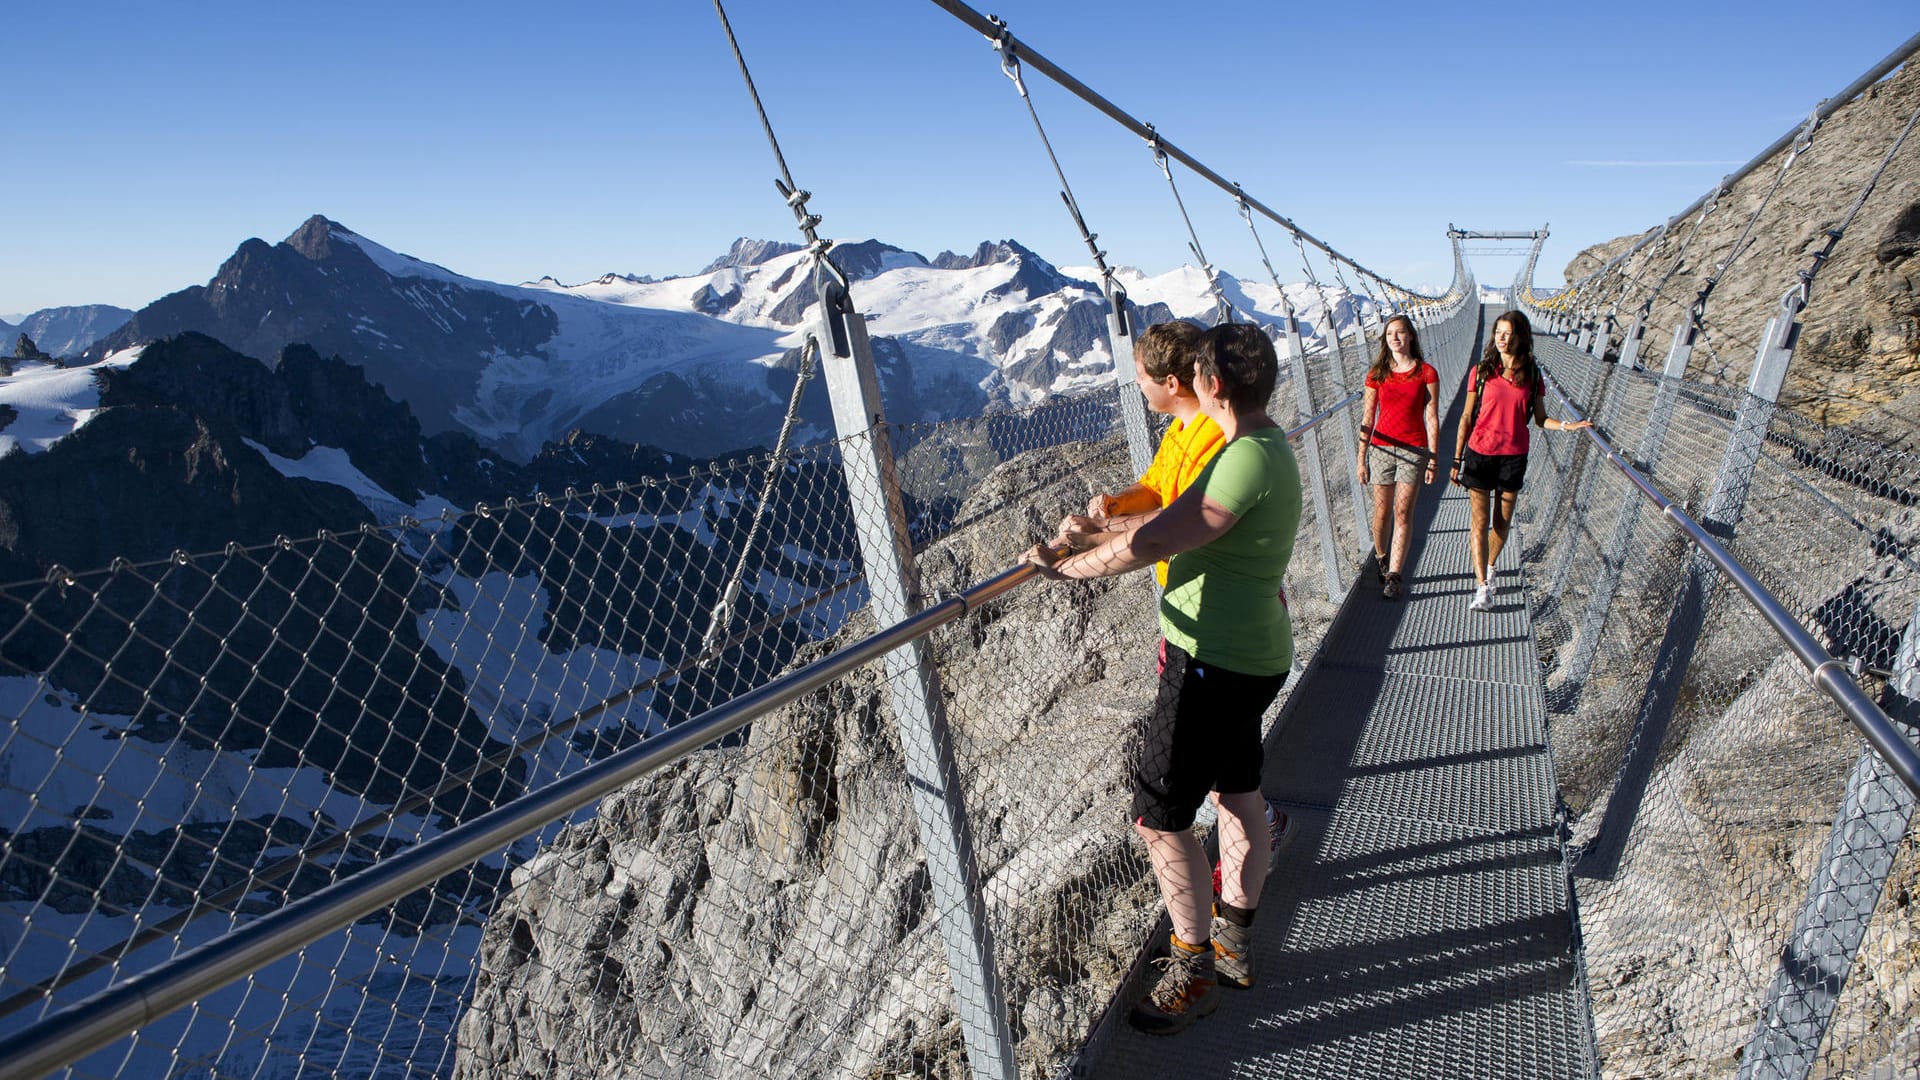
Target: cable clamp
[[1009, 50], [1813, 674], [1159, 153]]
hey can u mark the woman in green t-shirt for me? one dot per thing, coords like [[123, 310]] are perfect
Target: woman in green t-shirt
[[1228, 645]]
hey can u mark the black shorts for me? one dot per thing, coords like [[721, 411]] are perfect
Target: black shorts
[[1492, 472], [1202, 735]]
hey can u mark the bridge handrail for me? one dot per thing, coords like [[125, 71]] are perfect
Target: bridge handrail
[[1826, 673], [95, 1022]]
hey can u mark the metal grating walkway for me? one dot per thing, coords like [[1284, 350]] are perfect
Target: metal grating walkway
[[1419, 924]]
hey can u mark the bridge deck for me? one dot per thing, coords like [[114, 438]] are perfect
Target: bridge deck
[[1419, 923]]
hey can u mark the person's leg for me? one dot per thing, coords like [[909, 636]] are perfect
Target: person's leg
[[1403, 496], [1501, 523], [1382, 521], [1186, 881], [1245, 847], [1477, 533]]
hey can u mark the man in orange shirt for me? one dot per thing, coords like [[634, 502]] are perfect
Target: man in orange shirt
[[1163, 369]]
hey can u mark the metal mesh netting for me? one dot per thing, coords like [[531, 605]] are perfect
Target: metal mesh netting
[[195, 742], [1700, 772], [192, 742]]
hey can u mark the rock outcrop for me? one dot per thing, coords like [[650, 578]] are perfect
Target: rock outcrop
[[1858, 358]]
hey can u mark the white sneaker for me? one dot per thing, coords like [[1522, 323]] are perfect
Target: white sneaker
[[1482, 598]]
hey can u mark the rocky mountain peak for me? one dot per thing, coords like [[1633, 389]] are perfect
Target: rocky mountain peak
[[866, 258], [25, 349], [750, 252], [314, 237], [988, 253]]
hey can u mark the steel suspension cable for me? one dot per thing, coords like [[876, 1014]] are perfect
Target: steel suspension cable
[[1286, 303], [1826, 108], [1834, 234], [996, 32], [1225, 312], [1359, 318], [1744, 240], [776, 464], [1326, 304], [809, 223], [1010, 66]]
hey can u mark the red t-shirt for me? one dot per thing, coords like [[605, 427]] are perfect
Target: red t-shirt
[[1501, 427], [1402, 397]]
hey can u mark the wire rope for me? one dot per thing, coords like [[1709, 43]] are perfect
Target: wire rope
[[1224, 312]]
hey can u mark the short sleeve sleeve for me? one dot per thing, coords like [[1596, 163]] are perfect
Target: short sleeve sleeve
[[1239, 477], [1429, 375]]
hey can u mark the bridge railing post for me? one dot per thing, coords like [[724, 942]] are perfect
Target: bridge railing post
[[1842, 895], [1296, 354], [913, 683], [1581, 381], [1349, 440], [1613, 558], [1601, 856], [1605, 405], [1133, 409], [1630, 344]]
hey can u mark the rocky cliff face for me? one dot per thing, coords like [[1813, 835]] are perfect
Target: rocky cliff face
[[1858, 359]]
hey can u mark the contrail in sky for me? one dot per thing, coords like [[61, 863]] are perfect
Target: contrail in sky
[[1650, 164]]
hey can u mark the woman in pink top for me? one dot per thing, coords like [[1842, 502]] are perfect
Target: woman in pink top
[[1402, 407], [1490, 456]]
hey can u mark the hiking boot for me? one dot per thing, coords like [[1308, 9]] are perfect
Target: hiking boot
[[1390, 588], [1232, 953], [1186, 991], [1280, 828]]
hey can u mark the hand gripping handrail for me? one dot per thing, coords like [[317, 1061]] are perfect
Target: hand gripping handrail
[[1826, 673], [96, 1021]]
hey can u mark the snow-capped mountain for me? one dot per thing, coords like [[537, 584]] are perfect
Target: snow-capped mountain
[[328, 382], [67, 331], [701, 364]]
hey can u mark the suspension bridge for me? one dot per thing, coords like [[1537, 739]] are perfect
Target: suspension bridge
[[872, 822]]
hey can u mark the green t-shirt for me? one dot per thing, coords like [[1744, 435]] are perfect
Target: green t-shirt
[[1222, 603]]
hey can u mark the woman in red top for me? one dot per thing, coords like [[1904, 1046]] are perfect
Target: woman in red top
[[1490, 456], [1403, 403]]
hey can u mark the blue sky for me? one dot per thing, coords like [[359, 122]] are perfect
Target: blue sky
[[506, 141]]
